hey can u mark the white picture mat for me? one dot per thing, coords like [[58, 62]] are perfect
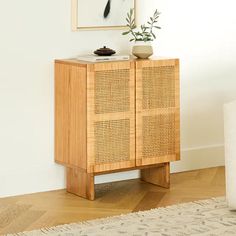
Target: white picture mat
[[90, 13]]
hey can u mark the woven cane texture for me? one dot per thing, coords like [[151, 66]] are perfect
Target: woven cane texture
[[158, 87], [112, 92], [158, 135], [112, 141]]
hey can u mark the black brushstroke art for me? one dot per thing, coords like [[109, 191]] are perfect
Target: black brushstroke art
[[107, 9]]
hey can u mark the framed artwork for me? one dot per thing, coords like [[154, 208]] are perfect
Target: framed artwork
[[100, 14]]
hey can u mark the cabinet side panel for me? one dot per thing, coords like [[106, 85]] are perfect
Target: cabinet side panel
[[62, 74], [78, 123], [70, 115]]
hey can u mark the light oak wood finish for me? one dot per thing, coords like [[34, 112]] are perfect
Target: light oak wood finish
[[100, 112], [48, 209], [80, 183], [159, 175], [70, 115]]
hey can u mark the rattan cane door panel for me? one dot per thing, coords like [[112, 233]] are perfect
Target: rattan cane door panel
[[111, 116], [157, 112]]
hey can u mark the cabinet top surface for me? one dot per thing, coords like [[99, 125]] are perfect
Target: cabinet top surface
[[84, 63]]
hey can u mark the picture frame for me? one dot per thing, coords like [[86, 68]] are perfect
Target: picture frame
[[98, 14]]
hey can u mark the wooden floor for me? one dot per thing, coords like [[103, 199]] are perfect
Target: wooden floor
[[47, 209]]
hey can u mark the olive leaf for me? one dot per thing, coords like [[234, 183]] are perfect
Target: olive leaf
[[146, 33]]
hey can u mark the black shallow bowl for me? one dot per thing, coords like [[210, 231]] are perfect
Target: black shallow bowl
[[104, 51], [104, 54]]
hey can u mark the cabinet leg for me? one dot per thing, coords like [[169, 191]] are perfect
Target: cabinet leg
[[80, 183], [159, 175]]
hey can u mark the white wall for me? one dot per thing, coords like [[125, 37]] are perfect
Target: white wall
[[33, 33]]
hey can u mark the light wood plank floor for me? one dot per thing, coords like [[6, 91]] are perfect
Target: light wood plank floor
[[47, 209]]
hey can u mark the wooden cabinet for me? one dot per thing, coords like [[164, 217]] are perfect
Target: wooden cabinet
[[116, 116]]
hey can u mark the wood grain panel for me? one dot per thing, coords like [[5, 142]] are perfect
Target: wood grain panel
[[80, 183], [62, 73], [70, 115], [159, 175]]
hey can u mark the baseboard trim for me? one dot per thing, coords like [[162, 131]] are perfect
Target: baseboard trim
[[199, 158]]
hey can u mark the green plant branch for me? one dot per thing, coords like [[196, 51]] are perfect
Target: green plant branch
[[146, 33]]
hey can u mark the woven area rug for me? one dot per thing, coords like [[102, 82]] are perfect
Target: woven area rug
[[207, 217]]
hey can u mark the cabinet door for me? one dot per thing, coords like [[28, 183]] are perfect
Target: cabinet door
[[110, 116], [157, 112]]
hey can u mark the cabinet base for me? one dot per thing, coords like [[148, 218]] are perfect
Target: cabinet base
[[82, 184], [159, 175]]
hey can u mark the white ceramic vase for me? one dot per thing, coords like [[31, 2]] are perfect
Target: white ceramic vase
[[142, 49]]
